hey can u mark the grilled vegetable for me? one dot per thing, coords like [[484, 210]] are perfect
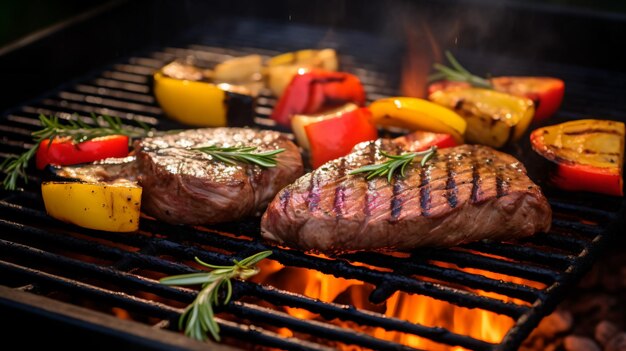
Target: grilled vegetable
[[282, 68], [101, 206], [246, 72], [64, 151], [76, 132], [335, 137], [316, 91], [545, 92], [589, 154], [418, 114], [185, 95], [239, 70], [298, 122], [493, 118]]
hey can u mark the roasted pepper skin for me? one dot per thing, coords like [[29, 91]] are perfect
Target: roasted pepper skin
[[545, 92], [281, 69], [298, 122], [418, 114], [64, 152], [100, 206], [493, 118], [332, 138], [316, 90], [588, 155]]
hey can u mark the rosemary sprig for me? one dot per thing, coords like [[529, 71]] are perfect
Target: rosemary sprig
[[80, 131], [245, 154], [457, 73], [15, 167], [395, 161], [77, 130], [198, 317]]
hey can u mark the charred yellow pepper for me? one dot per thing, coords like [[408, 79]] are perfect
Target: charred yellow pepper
[[108, 207], [493, 118], [418, 114], [588, 153]]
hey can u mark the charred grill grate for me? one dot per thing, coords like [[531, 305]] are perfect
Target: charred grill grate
[[121, 270]]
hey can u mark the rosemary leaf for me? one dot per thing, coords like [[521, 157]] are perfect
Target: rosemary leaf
[[389, 167], [457, 73], [233, 154], [76, 130], [198, 318]]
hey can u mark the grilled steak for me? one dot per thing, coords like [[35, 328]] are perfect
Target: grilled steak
[[190, 187], [463, 194]]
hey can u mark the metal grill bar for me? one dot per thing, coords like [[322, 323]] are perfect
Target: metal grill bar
[[154, 308]]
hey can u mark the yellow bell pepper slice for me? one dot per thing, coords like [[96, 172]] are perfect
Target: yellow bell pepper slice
[[493, 118], [195, 103], [418, 114], [101, 206]]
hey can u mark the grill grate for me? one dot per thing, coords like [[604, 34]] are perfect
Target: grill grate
[[121, 270]]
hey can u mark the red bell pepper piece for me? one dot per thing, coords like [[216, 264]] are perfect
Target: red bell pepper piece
[[335, 137], [421, 140], [545, 92], [576, 177], [64, 152], [588, 154], [316, 90]]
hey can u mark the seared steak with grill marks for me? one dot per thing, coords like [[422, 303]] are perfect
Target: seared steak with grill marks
[[189, 187], [463, 194]]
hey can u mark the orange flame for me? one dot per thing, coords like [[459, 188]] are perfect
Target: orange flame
[[423, 310], [421, 52]]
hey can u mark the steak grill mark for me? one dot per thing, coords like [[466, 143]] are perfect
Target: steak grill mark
[[371, 184], [425, 190], [396, 191], [340, 190], [313, 199], [476, 181], [396, 201], [451, 184]]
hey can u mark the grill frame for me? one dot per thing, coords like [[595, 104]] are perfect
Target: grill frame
[[590, 240]]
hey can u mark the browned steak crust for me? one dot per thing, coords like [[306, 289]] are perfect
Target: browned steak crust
[[464, 194], [188, 187]]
